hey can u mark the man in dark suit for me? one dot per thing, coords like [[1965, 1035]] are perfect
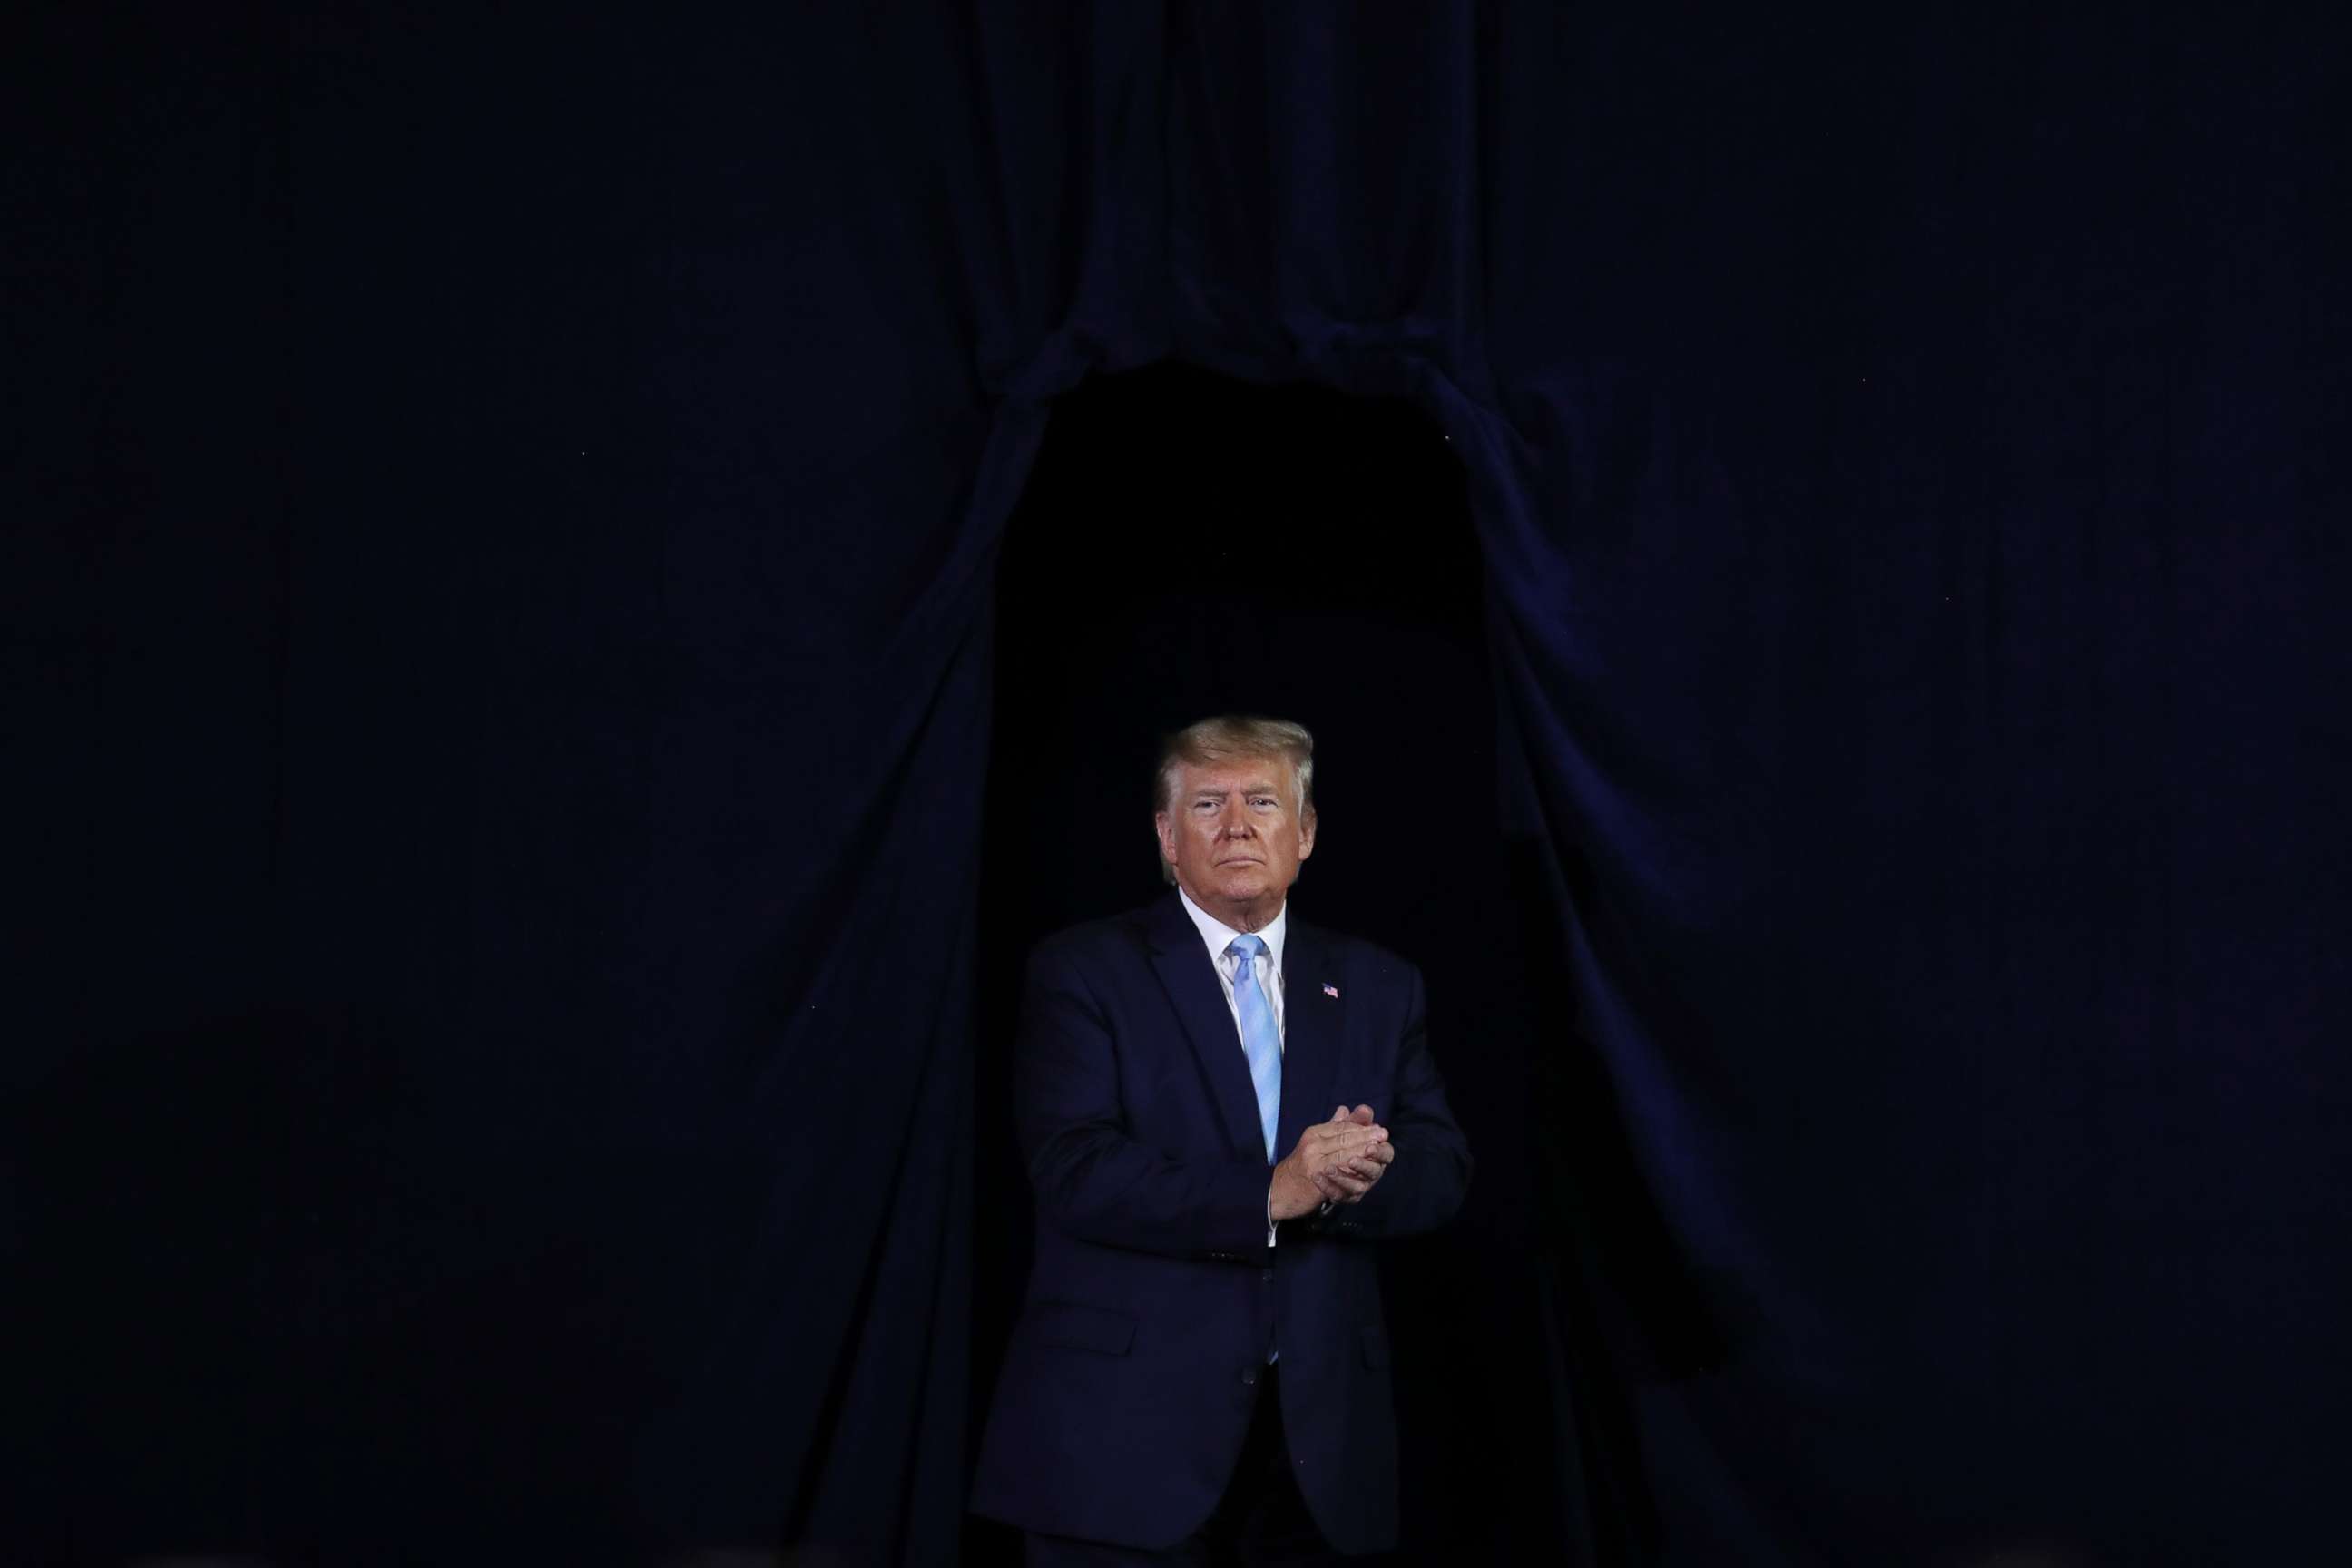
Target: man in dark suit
[[1201, 1370]]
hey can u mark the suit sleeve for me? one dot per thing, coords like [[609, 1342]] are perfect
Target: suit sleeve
[[1092, 1180], [1424, 1186]]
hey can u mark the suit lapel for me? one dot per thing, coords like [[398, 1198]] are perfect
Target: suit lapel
[[1310, 1036], [1182, 960]]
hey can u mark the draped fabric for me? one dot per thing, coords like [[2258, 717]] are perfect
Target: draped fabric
[[507, 613]]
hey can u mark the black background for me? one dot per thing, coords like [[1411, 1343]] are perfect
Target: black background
[[1189, 545]]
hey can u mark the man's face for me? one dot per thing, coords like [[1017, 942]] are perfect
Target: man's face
[[1234, 834]]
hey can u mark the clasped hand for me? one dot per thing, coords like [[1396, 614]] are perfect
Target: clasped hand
[[1335, 1162]]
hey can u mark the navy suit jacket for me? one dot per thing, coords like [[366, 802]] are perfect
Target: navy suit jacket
[[1154, 1300]]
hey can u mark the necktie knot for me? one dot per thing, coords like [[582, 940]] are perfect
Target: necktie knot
[[1246, 948]]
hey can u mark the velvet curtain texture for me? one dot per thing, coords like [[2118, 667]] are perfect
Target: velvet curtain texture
[[508, 610]]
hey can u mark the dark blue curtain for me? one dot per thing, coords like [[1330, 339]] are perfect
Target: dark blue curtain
[[501, 616]]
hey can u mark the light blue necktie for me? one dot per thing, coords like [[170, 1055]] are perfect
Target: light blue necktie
[[1261, 1039]]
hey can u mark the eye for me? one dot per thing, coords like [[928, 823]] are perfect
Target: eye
[[1262, 802]]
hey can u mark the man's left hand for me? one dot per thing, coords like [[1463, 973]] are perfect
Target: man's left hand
[[1349, 1182]]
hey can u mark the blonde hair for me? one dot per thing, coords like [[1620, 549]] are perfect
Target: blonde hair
[[1230, 736]]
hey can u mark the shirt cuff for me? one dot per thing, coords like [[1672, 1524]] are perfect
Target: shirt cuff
[[1326, 1207]]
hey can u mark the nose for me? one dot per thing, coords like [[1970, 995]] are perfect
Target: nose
[[1236, 823]]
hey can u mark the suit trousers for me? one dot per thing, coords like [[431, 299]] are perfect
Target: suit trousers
[[1260, 1521]]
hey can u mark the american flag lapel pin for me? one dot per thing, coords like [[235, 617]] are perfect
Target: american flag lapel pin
[[1332, 991]]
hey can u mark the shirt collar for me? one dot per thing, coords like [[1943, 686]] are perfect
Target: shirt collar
[[1219, 936]]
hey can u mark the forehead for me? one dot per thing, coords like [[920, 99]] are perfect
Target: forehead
[[1233, 773]]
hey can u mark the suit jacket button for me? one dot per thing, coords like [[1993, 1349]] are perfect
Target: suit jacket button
[[1264, 1274], [1249, 1375]]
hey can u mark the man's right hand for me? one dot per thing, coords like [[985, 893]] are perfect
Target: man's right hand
[[1324, 1163]]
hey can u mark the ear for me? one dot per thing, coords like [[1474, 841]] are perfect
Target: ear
[[1165, 826], [1307, 834]]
